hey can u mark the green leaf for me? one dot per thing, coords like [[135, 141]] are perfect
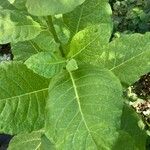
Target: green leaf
[[5, 4], [83, 109], [129, 123], [45, 41], [72, 65], [22, 102], [125, 142], [62, 31], [88, 44], [128, 57], [45, 64], [30, 141], [15, 27], [91, 12], [51, 7], [23, 50], [20, 4]]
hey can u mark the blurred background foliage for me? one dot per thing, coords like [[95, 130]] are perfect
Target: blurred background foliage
[[131, 16]]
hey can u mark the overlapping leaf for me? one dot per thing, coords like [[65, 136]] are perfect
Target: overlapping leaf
[[128, 57], [91, 12], [22, 102], [83, 109], [23, 50], [20, 4], [45, 64], [15, 27], [30, 141], [5, 4], [88, 44], [130, 124], [51, 7], [46, 42]]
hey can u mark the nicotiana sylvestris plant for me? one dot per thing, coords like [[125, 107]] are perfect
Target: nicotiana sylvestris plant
[[64, 88]]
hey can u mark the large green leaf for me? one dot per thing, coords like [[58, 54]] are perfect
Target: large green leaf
[[128, 57], [83, 109], [14, 27], [45, 64], [88, 44], [91, 12], [30, 141], [51, 7], [22, 102]]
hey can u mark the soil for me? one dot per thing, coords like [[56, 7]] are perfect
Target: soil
[[5, 52], [142, 86]]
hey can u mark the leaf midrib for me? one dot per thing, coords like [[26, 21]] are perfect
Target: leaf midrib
[[80, 51], [79, 105], [123, 63]]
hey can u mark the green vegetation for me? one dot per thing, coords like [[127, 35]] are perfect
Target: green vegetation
[[66, 87]]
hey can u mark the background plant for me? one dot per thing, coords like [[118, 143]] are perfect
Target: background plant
[[64, 89]]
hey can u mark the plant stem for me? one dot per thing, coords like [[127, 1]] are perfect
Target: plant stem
[[53, 31]]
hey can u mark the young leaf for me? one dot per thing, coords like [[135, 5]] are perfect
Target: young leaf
[[45, 64], [30, 141], [91, 12], [88, 44], [62, 30], [83, 109], [72, 65], [15, 27], [22, 102], [51, 7]]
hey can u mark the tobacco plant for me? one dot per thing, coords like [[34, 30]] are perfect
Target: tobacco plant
[[66, 87]]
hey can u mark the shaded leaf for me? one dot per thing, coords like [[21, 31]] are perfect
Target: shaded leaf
[[125, 142], [20, 4], [30, 141], [46, 42], [83, 109], [129, 124], [5, 4], [23, 50]]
